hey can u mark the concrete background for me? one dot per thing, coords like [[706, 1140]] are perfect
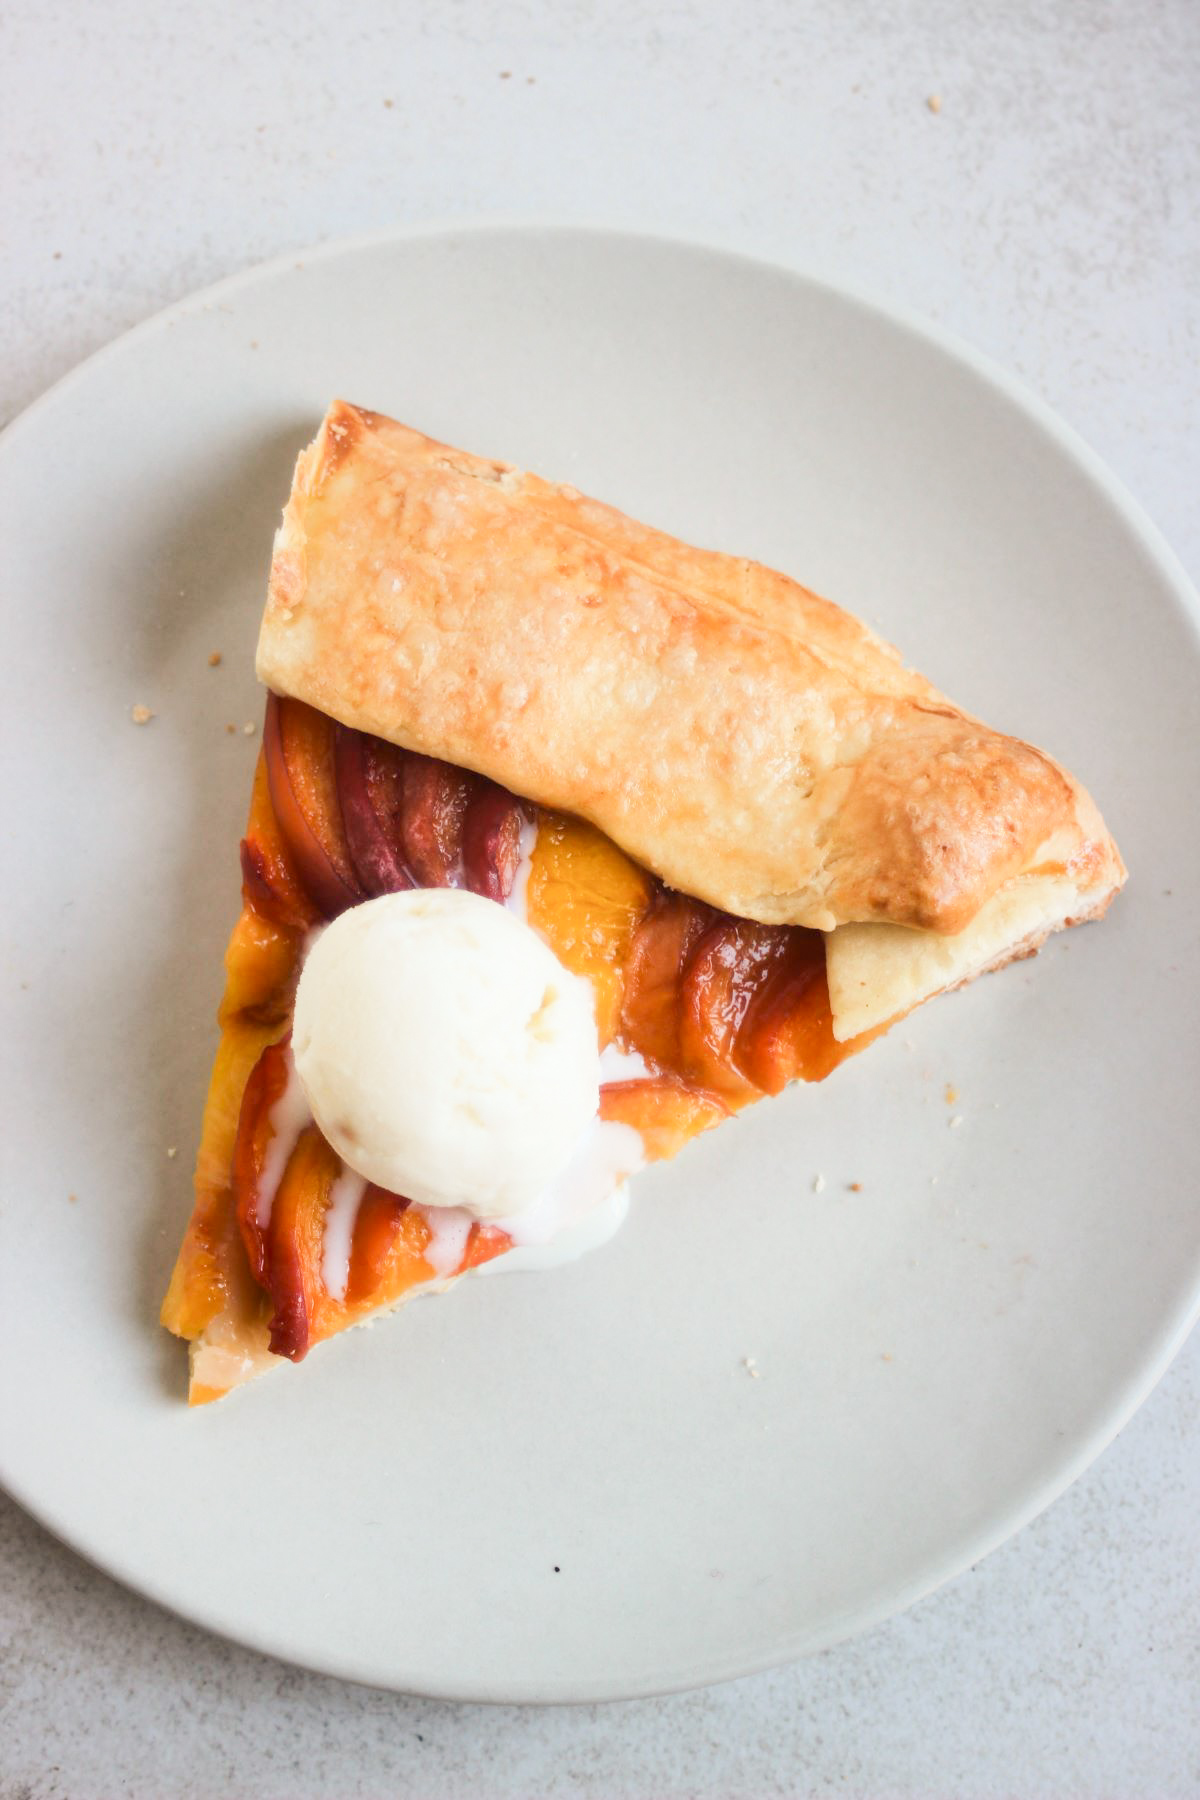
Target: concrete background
[[1049, 211]]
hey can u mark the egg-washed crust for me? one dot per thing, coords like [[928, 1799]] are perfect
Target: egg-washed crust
[[748, 741]]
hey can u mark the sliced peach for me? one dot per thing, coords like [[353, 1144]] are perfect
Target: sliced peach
[[260, 964], [651, 1012], [199, 1284], [491, 841], [435, 805], [733, 962], [266, 1083], [483, 1243], [298, 749], [270, 882], [788, 1032], [665, 1111], [241, 1046], [370, 784], [376, 1231], [587, 898], [211, 1262], [388, 1253], [296, 1242]]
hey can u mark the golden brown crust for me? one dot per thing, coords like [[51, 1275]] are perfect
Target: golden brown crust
[[747, 740]]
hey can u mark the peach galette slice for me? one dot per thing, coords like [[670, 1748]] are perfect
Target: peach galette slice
[[698, 1014]]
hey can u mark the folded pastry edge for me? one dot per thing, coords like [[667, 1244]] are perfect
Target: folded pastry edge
[[877, 969], [879, 972]]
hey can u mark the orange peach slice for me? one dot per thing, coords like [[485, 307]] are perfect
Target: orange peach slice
[[271, 885], [298, 749], [651, 1014], [787, 1032], [295, 1244], [586, 899], [388, 1252], [211, 1262], [483, 1243], [267, 1081], [377, 1230], [730, 965], [665, 1111], [260, 966]]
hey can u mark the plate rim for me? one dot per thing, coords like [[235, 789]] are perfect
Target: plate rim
[[970, 1547], [929, 331]]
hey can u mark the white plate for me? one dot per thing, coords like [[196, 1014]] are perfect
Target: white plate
[[568, 1486]]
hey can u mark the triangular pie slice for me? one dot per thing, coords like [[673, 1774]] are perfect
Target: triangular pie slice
[[717, 796]]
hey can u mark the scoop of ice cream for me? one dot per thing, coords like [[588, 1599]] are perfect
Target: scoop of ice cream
[[446, 1052]]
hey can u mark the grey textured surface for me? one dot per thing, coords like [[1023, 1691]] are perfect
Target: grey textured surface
[[1049, 212]]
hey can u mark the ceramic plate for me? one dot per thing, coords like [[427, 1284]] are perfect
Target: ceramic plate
[[570, 1486]]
